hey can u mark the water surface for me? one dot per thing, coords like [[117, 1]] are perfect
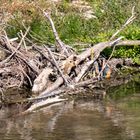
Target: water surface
[[115, 118]]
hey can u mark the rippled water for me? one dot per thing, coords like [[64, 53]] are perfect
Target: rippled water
[[115, 118]]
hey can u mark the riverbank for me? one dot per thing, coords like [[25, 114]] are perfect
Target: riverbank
[[34, 50], [99, 90], [115, 117]]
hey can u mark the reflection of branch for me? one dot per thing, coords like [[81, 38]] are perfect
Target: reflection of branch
[[52, 122], [117, 117], [129, 21]]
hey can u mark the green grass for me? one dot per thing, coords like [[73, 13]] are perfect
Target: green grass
[[73, 28]]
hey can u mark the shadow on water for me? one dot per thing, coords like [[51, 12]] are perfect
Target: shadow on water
[[114, 118]]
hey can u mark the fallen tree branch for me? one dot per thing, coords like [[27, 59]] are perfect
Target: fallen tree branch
[[56, 65], [41, 82], [96, 49], [18, 47], [129, 21], [53, 87], [129, 43], [62, 45], [84, 69]]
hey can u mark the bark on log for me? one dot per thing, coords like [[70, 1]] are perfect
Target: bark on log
[[53, 87], [129, 43], [96, 49], [41, 82]]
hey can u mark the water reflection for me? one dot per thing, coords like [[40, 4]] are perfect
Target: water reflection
[[116, 118], [81, 120]]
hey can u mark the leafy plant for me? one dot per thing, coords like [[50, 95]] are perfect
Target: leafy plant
[[73, 27]]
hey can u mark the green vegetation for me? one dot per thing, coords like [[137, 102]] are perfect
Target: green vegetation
[[109, 15]]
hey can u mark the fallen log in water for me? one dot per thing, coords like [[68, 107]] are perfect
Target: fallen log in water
[[50, 73]]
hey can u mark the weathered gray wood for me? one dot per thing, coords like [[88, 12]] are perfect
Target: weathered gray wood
[[61, 44], [41, 82], [53, 87], [97, 49]]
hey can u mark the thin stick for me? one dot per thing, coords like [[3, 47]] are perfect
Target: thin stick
[[129, 21], [18, 47], [56, 34], [23, 40], [29, 79], [109, 56], [37, 49], [61, 74], [9, 44]]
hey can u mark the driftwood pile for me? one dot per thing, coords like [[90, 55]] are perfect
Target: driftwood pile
[[54, 70]]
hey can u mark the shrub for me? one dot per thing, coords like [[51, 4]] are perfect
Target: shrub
[[72, 27]]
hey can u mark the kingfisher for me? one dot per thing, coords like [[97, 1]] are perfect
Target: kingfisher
[[107, 72]]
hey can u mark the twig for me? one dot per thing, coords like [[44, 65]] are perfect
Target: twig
[[62, 45], [61, 74], [23, 40], [37, 49], [129, 21], [109, 56], [7, 39], [18, 47], [61, 55], [29, 79]]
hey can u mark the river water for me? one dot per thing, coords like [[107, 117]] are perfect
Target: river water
[[117, 117]]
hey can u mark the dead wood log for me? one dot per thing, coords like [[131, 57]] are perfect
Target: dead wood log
[[64, 90], [61, 44], [97, 49], [101, 46], [41, 82], [53, 87], [129, 43], [56, 65], [83, 70]]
